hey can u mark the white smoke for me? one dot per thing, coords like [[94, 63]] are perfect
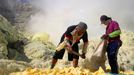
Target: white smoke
[[56, 15]]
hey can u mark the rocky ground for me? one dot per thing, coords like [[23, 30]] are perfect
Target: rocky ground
[[20, 49], [37, 51]]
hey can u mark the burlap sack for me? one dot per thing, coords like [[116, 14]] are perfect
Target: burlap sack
[[98, 58]]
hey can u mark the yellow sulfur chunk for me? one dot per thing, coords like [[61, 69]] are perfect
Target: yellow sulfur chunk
[[66, 71]]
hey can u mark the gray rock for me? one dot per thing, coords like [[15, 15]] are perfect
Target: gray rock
[[9, 66]]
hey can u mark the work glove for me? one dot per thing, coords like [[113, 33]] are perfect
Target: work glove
[[104, 36], [83, 55]]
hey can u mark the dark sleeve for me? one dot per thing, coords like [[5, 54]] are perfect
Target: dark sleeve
[[68, 31], [85, 37]]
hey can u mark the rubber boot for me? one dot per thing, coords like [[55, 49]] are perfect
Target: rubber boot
[[75, 63], [54, 61]]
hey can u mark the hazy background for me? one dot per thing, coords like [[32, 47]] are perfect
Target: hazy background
[[56, 15]]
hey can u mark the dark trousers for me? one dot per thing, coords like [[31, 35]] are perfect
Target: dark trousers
[[112, 51]]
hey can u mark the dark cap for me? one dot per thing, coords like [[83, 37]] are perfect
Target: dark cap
[[104, 18], [82, 25]]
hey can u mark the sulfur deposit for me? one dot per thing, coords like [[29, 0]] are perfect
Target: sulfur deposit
[[66, 71]]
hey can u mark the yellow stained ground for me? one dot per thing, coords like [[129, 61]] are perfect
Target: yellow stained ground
[[66, 71]]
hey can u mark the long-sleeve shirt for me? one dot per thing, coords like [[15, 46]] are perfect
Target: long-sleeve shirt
[[113, 30]]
